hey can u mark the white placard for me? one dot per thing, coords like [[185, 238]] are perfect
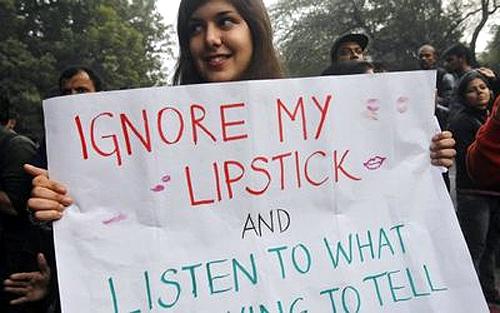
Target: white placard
[[288, 196]]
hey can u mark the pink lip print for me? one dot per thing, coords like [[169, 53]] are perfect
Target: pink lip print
[[115, 219], [402, 104], [158, 188], [372, 105], [375, 162], [166, 178]]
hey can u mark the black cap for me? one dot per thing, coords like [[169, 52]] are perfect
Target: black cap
[[360, 39]]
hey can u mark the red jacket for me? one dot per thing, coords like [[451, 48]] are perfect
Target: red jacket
[[483, 155]]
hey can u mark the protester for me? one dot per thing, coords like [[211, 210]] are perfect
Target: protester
[[483, 155], [349, 47], [75, 79], [19, 239], [478, 207], [7, 119], [428, 59], [79, 79], [459, 61], [33, 285]]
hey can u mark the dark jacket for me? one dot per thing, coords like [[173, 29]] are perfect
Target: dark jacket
[[464, 125]]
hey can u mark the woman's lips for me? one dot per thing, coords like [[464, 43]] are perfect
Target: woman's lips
[[216, 61]]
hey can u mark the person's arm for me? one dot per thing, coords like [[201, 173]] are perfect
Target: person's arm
[[15, 184], [483, 156]]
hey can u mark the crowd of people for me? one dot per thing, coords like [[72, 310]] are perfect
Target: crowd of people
[[230, 40]]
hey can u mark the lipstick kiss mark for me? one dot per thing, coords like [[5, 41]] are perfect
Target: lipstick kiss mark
[[166, 178], [402, 104], [372, 107], [115, 219], [375, 162], [158, 188]]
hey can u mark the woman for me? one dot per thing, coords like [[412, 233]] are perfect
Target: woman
[[478, 208]]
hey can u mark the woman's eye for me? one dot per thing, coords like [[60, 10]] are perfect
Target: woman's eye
[[226, 22], [195, 29]]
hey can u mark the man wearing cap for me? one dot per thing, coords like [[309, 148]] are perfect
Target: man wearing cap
[[349, 47]]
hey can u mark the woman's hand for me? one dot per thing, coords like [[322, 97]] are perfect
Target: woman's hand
[[48, 197], [30, 287], [442, 149]]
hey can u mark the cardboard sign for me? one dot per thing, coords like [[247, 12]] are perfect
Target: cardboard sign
[[284, 196]]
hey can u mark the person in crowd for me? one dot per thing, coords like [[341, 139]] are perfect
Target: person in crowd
[[445, 86], [483, 155], [33, 286], [75, 79], [478, 207], [428, 59], [20, 240], [458, 60], [349, 47], [7, 119], [79, 79]]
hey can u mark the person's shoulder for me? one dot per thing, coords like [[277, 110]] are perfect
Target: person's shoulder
[[20, 139], [11, 141]]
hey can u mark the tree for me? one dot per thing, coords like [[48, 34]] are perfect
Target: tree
[[491, 57], [475, 16], [121, 39], [307, 29]]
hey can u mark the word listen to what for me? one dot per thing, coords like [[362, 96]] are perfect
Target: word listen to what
[[170, 126], [176, 286]]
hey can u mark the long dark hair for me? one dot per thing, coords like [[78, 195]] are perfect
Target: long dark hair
[[264, 63]]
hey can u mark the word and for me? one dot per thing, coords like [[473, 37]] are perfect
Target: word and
[[279, 220]]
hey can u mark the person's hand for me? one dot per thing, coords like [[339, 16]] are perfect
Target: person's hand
[[48, 198], [442, 149], [486, 72], [30, 287]]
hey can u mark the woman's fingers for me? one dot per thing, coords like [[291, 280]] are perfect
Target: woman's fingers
[[442, 151], [48, 215], [41, 179], [50, 194], [35, 171]]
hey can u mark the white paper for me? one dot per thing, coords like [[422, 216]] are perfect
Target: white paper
[[339, 210]]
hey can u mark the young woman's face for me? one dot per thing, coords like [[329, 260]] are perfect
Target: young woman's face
[[477, 93], [221, 42]]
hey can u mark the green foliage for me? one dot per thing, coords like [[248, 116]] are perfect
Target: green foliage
[[122, 40], [307, 29]]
